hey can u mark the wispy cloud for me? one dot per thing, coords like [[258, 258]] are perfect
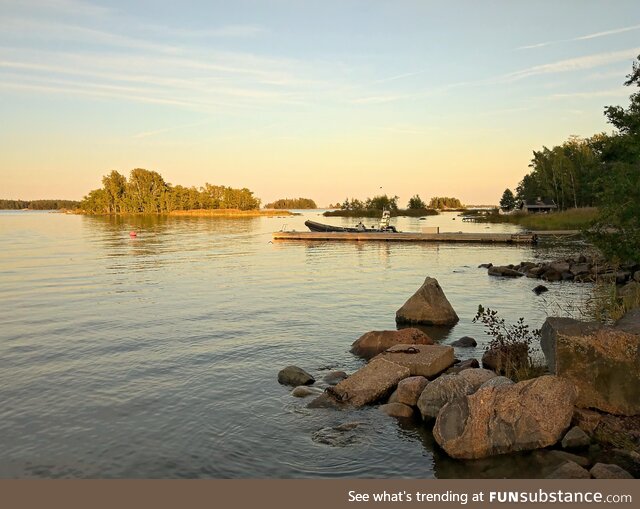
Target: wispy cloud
[[571, 64], [595, 35], [613, 92]]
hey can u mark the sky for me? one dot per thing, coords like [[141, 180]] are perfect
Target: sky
[[325, 99]]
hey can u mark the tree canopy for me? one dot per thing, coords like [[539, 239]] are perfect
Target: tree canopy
[[38, 204], [415, 202], [601, 171], [292, 203], [508, 200], [146, 192], [444, 202], [617, 229]]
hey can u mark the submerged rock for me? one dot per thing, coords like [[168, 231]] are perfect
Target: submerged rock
[[372, 343], [497, 420], [303, 391], [334, 377], [504, 272], [343, 435], [293, 375], [540, 289], [428, 306]]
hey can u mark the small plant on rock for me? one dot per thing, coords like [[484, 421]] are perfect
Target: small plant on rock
[[510, 350]]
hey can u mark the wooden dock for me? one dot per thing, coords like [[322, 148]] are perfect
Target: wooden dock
[[485, 238]]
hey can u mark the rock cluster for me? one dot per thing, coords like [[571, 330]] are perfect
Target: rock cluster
[[476, 413], [578, 268]]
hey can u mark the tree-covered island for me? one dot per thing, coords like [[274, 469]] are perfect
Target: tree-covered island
[[146, 192]]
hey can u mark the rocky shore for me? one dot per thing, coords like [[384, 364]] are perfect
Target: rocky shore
[[579, 268], [583, 414]]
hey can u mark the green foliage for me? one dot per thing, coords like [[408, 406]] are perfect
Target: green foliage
[[508, 200], [378, 203], [292, 203], [382, 202], [38, 204], [617, 229], [443, 202], [567, 173], [376, 213], [514, 344], [146, 192], [415, 202]]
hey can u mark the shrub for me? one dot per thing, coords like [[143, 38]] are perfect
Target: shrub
[[512, 344]]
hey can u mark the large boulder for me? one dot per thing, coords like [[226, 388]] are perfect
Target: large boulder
[[603, 362], [428, 306], [477, 377], [293, 375], [422, 360], [374, 342], [441, 391], [497, 420], [369, 384]]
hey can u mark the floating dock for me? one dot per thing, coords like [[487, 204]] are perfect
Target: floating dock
[[484, 238]]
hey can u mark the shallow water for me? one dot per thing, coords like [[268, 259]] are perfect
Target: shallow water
[[157, 356]]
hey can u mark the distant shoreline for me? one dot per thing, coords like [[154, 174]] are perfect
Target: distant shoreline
[[199, 213]]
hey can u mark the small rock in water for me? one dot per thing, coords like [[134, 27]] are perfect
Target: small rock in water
[[302, 391], [293, 375], [465, 341], [540, 289], [485, 265], [334, 377]]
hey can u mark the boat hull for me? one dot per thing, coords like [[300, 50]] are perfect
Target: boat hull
[[320, 227]]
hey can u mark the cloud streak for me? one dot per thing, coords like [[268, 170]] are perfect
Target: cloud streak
[[595, 35]]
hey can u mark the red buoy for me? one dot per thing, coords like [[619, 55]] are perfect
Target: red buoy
[[133, 234]]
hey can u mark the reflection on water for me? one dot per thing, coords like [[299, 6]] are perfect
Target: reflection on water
[[156, 356]]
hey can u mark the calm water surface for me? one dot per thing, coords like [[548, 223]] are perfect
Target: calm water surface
[[157, 356]]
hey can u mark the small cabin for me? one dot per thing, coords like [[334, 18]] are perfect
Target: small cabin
[[537, 206]]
